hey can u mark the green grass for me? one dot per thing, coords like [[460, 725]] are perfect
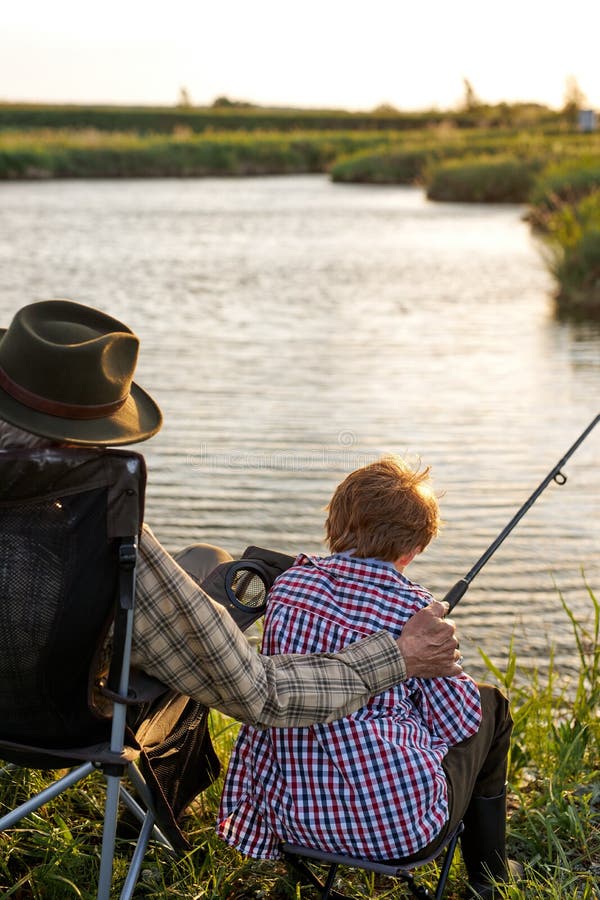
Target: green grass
[[554, 809], [379, 156], [415, 157], [236, 116], [385, 167], [165, 120], [555, 768], [565, 183], [577, 271], [565, 211], [499, 179], [95, 154]]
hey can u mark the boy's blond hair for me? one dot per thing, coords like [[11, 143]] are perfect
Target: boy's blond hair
[[384, 510]]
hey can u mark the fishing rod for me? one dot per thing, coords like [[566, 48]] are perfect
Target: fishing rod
[[458, 590]]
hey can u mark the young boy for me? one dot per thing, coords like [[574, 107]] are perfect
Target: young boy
[[371, 784]]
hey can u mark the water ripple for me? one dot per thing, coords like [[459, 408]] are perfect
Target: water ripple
[[293, 329]]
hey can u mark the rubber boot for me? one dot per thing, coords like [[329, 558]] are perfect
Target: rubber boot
[[483, 844]]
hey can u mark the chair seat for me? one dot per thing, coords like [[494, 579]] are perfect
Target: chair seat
[[296, 856], [382, 868]]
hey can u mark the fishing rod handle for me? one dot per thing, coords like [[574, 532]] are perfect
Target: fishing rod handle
[[455, 593]]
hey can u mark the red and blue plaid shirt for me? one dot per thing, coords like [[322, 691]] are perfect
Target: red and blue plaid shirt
[[371, 784]]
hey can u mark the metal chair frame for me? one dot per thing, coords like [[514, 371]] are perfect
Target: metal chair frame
[[297, 856]]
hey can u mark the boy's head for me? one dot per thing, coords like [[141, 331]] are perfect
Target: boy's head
[[385, 510]]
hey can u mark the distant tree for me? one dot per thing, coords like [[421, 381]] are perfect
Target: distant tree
[[502, 114], [184, 100], [226, 102], [575, 99], [470, 99], [386, 109]]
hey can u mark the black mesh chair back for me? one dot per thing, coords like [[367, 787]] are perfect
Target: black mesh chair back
[[58, 581], [69, 525]]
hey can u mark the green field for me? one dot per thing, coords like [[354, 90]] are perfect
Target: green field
[[225, 115]]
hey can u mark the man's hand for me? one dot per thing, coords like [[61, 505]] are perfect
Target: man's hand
[[429, 645]]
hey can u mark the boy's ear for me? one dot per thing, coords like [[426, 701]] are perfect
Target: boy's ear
[[407, 558]]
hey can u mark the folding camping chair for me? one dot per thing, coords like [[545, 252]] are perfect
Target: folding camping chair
[[69, 524], [302, 860]]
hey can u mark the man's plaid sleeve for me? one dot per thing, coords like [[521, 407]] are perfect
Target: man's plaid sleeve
[[192, 644]]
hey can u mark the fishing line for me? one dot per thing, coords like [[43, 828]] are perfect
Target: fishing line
[[458, 590]]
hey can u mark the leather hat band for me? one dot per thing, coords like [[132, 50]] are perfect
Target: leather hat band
[[55, 407]]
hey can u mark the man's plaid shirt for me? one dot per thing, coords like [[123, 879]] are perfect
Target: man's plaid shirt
[[192, 644], [369, 785]]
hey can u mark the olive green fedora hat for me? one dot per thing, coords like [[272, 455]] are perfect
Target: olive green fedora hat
[[66, 373]]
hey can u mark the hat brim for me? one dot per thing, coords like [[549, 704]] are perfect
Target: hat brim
[[137, 420]]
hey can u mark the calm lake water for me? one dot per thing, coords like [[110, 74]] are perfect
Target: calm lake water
[[293, 329]]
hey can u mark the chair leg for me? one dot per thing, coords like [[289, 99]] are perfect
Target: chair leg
[[419, 890], [416, 889], [448, 857], [49, 793], [109, 835], [138, 858], [141, 815], [328, 886], [307, 876]]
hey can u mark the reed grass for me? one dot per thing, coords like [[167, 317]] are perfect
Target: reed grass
[[95, 154], [554, 808], [577, 271], [393, 157], [565, 183], [415, 158], [387, 166], [485, 179], [565, 210]]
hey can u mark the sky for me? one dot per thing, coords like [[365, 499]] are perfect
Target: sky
[[411, 54]]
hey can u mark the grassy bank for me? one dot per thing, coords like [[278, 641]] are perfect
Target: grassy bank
[[422, 158], [351, 155], [94, 154], [500, 179], [554, 800], [552, 170], [565, 210]]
